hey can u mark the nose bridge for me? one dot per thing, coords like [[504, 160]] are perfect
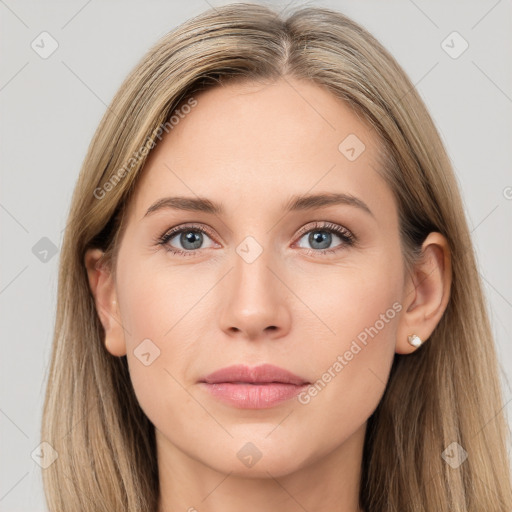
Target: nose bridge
[[256, 299], [252, 279]]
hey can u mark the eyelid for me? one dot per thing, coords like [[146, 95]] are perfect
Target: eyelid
[[328, 226], [191, 226]]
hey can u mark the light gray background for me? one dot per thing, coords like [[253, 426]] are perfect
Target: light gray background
[[51, 107]]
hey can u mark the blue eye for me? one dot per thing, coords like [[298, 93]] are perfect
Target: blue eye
[[320, 238], [190, 238]]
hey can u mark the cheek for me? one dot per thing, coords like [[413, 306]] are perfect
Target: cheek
[[356, 301], [351, 364], [154, 305], [156, 300]]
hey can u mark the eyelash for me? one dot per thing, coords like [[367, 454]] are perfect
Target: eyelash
[[345, 235]]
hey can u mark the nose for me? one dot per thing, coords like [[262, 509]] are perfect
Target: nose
[[256, 302]]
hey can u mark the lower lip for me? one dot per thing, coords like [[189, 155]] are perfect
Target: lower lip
[[254, 396]]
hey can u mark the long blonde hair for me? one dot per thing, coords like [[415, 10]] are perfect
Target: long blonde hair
[[446, 392]]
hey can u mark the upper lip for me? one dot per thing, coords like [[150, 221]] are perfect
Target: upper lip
[[265, 373]]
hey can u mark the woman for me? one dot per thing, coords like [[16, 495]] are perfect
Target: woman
[[208, 354]]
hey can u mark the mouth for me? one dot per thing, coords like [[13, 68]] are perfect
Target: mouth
[[260, 387]]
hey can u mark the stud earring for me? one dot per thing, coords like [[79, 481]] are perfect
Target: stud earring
[[414, 340]]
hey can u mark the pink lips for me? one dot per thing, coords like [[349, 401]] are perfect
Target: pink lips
[[260, 387]]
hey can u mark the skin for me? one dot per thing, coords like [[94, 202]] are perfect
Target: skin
[[251, 147]]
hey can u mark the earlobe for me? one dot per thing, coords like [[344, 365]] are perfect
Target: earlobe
[[102, 287], [426, 295]]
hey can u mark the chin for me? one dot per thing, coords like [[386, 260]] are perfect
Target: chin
[[254, 459]]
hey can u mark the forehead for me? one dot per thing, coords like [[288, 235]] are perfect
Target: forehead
[[265, 142]]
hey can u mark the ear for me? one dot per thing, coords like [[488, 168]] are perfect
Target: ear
[[102, 285], [426, 292]]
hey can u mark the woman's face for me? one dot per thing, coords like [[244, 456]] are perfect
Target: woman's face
[[260, 275]]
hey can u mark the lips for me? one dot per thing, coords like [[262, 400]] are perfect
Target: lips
[[265, 373], [253, 388]]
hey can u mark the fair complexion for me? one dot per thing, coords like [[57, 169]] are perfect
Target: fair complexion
[[249, 148]]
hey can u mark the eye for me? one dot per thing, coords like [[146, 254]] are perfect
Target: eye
[[188, 238], [322, 235]]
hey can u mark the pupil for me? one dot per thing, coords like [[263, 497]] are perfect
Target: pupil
[[188, 238], [320, 237]]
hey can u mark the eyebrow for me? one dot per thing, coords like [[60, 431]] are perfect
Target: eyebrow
[[295, 203]]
